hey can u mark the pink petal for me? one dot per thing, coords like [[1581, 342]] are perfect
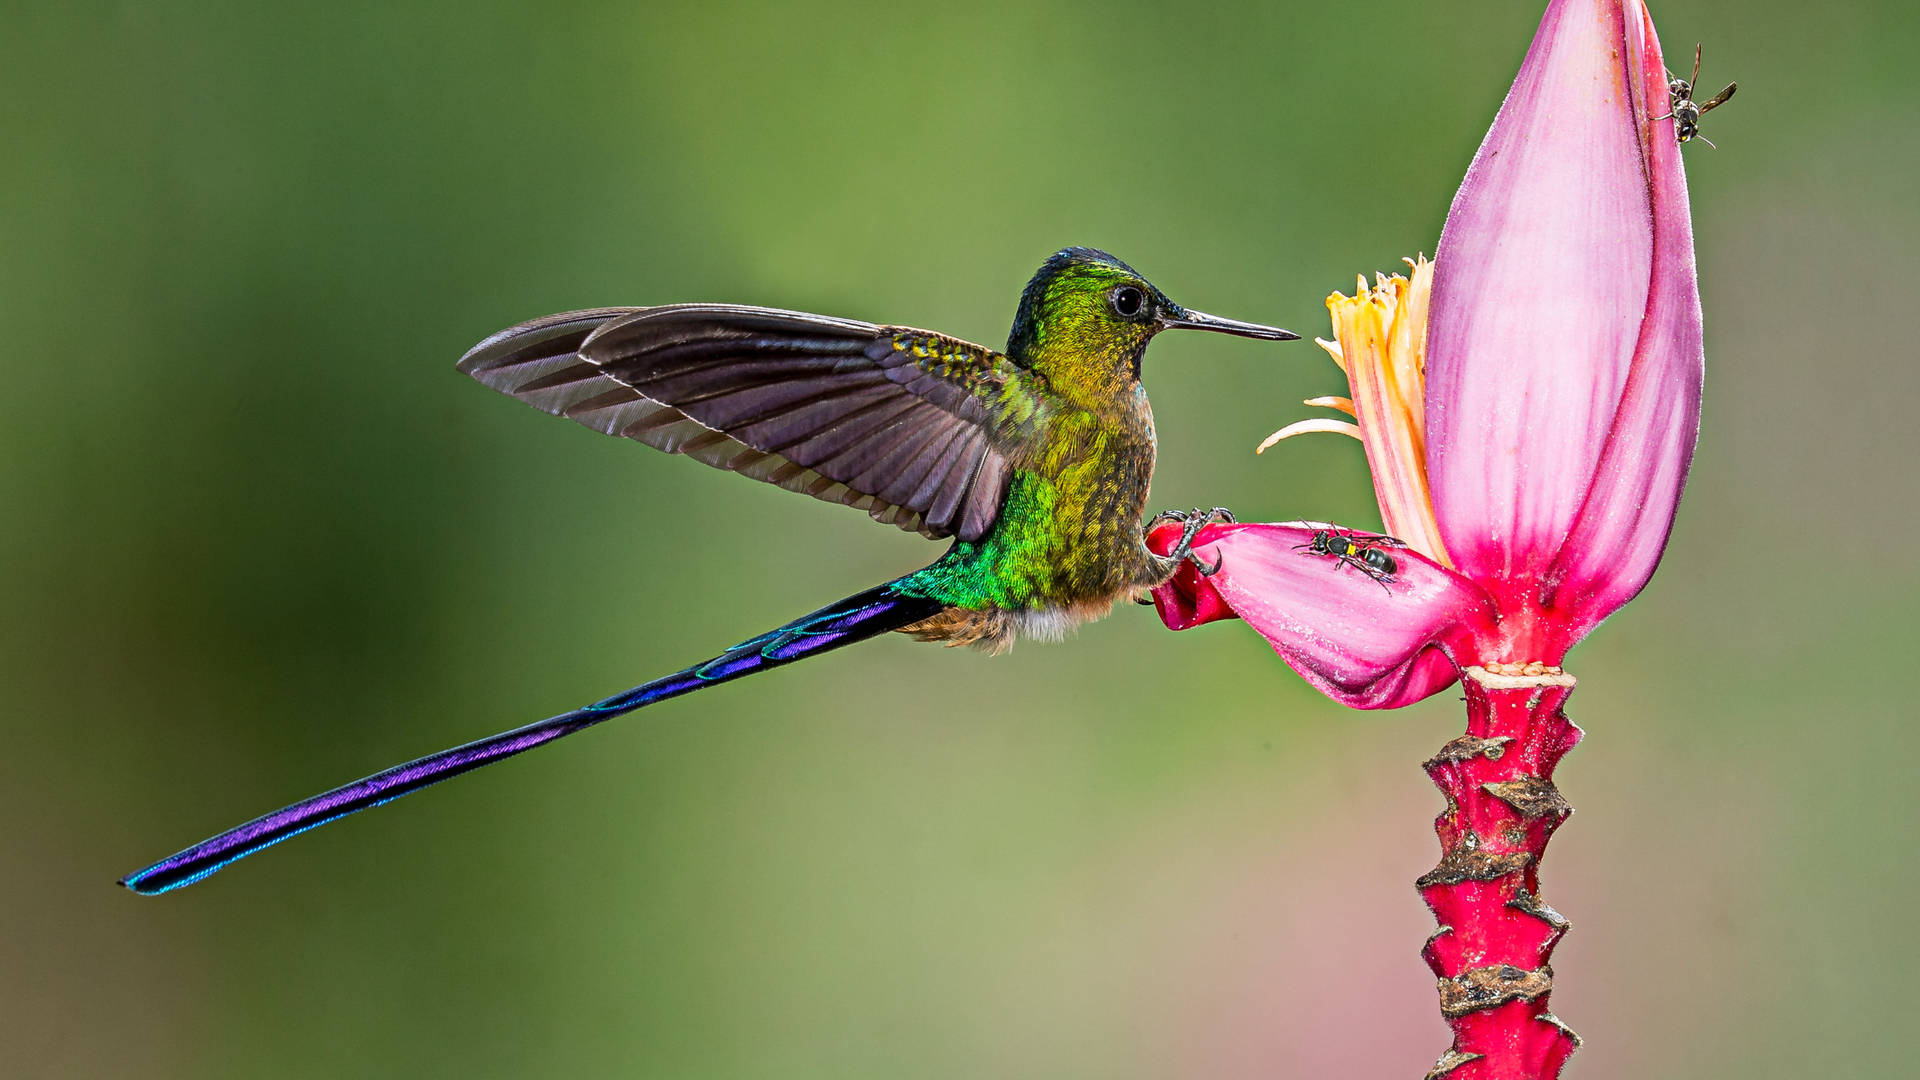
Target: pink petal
[[1362, 642], [1622, 529], [1539, 287]]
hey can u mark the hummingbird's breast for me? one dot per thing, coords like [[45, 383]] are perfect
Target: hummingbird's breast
[[1100, 488], [1067, 543]]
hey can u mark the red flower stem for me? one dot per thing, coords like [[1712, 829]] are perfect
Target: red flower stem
[[1496, 934]]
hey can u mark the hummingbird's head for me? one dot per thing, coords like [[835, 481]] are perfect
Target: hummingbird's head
[[1086, 318]]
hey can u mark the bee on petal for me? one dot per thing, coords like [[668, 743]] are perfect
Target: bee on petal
[[1362, 551], [1684, 111]]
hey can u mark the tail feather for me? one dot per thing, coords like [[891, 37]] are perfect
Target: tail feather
[[856, 618]]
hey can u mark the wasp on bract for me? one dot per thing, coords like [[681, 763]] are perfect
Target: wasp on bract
[[1362, 551], [1682, 109]]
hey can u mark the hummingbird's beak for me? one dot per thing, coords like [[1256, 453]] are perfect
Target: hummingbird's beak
[[1182, 319]]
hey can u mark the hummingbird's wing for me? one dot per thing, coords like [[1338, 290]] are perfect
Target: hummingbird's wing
[[914, 427]]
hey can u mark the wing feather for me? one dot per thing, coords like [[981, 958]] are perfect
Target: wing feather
[[906, 424]]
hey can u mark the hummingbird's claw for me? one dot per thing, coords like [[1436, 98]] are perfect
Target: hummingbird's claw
[[1218, 515], [1191, 522]]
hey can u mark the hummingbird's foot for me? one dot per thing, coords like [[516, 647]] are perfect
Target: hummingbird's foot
[[1219, 515], [1162, 518], [1191, 522]]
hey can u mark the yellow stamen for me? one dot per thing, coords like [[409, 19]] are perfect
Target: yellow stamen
[[1333, 350], [1301, 427], [1344, 404], [1382, 346]]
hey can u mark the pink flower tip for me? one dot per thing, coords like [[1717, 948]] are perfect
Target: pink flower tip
[[1564, 348]]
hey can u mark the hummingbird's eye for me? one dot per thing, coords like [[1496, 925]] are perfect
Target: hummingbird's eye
[[1127, 301]]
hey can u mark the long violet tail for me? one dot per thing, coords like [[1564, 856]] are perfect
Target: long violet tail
[[856, 618]]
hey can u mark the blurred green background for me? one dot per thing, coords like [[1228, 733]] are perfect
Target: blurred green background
[[260, 538]]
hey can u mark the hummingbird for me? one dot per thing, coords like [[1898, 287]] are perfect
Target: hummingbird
[[1035, 461]]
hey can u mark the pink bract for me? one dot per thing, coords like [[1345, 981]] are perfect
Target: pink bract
[[1562, 358]]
